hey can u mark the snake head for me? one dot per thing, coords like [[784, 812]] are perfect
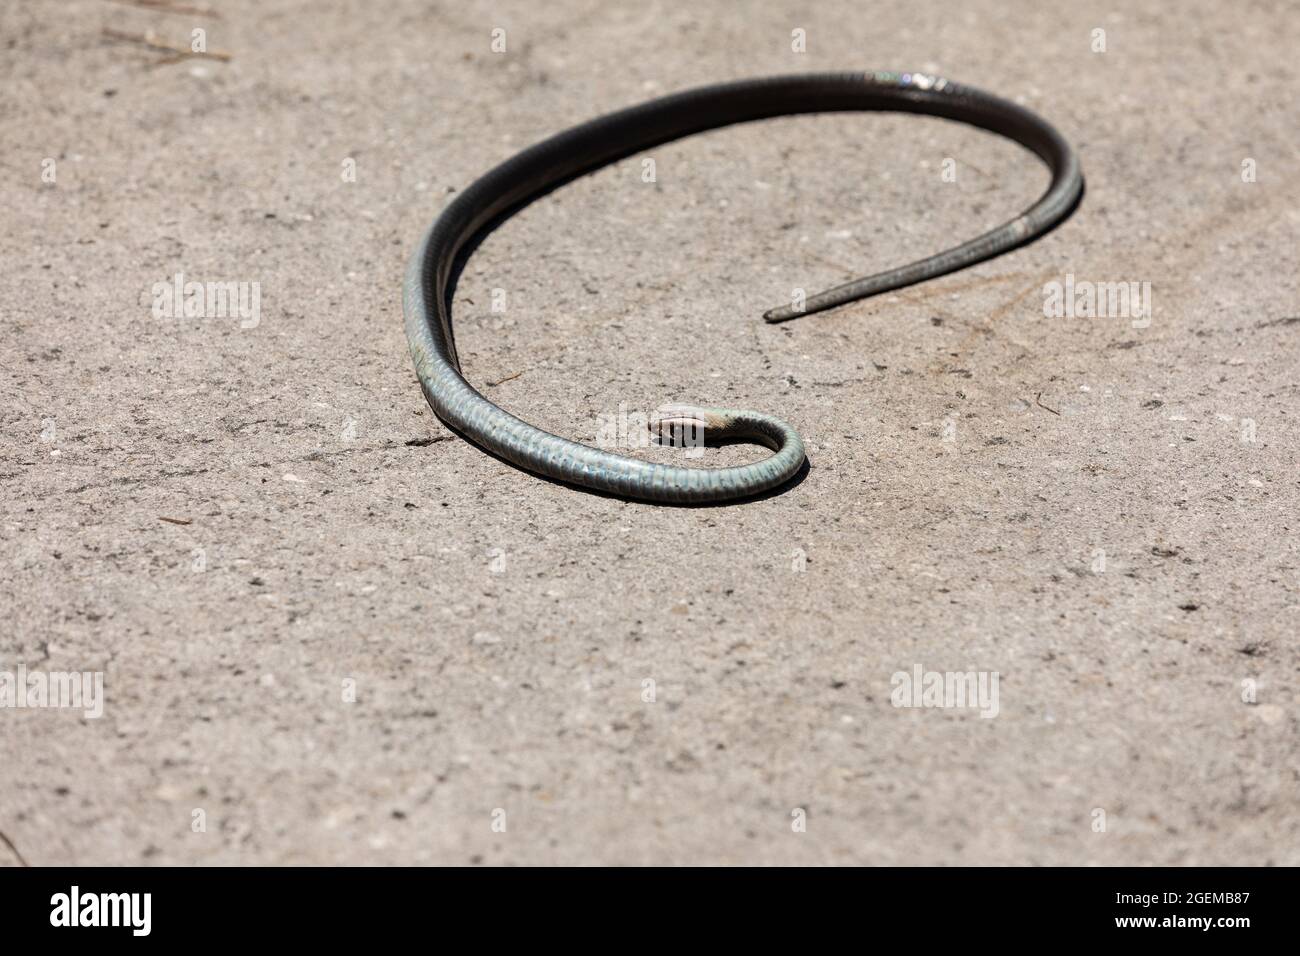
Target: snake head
[[684, 425]]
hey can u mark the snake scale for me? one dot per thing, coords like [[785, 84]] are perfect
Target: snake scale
[[430, 275]]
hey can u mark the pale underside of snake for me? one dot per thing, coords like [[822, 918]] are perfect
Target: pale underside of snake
[[431, 274]]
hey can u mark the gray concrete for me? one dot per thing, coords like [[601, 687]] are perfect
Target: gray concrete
[[1073, 503]]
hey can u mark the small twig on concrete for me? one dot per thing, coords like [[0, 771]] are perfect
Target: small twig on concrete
[[155, 42], [1039, 402], [967, 162], [508, 378], [166, 61], [4, 838], [167, 6], [175, 520]]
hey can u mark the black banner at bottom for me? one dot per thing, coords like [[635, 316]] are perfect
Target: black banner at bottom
[[1178, 906]]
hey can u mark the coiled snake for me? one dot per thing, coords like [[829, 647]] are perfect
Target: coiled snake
[[565, 156]]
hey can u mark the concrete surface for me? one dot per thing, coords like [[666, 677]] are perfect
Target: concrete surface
[[1103, 515]]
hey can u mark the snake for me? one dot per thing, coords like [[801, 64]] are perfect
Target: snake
[[434, 267]]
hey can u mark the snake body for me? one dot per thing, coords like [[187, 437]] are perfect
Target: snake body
[[430, 276]]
